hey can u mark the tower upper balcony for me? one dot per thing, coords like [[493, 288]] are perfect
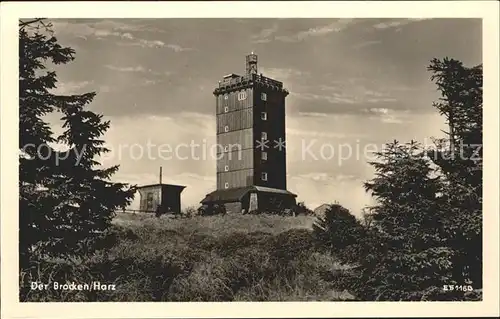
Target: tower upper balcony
[[234, 82]]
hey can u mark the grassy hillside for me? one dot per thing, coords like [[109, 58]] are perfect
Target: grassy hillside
[[216, 258], [218, 225]]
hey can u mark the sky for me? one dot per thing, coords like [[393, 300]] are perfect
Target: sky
[[355, 84]]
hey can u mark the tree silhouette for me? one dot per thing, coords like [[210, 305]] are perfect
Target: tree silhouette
[[425, 231], [459, 157], [66, 200], [409, 257]]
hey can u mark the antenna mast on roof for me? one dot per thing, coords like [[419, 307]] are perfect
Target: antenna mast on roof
[[251, 63]]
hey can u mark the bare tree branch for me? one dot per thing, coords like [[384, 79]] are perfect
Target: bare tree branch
[[23, 24], [36, 24]]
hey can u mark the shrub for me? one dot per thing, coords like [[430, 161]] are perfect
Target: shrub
[[189, 212], [302, 209], [210, 210], [340, 232]]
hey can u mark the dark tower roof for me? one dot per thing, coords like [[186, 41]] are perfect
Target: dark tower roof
[[235, 194], [179, 187]]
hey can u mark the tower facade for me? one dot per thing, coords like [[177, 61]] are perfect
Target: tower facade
[[251, 153]]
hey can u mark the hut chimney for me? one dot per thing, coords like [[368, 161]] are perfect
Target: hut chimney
[[160, 174]]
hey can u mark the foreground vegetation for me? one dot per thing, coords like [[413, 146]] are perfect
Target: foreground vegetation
[[216, 258], [422, 240]]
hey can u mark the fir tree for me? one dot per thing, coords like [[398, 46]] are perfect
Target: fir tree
[[66, 200], [426, 228], [459, 158], [407, 256]]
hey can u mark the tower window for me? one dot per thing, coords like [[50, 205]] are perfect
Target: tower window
[[263, 96], [264, 156], [226, 168], [226, 97], [242, 96], [263, 136], [264, 176], [226, 185], [263, 116], [226, 109], [226, 148], [226, 128]]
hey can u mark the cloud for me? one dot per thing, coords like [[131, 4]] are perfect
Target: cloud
[[264, 35], [348, 95], [313, 114], [325, 176], [379, 110], [101, 28], [138, 68], [337, 26], [156, 44], [396, 23], [321, 125], [127, 36], [71, 87], [99, 34], [317, 188], [122, 78], [147, 82], [268, 34], [332, 98], [105, 88], [389, 116], [178, 48], [85, 30], [282, 74], [315, 134], [367, 44], [342, 98], [110, 28], [197, 116], [132, 25], [139, 145], [146, 43]]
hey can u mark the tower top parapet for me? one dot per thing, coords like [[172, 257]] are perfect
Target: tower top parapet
[[234, 82]]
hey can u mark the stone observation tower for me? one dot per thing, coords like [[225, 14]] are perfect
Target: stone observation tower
[[251, 153]]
